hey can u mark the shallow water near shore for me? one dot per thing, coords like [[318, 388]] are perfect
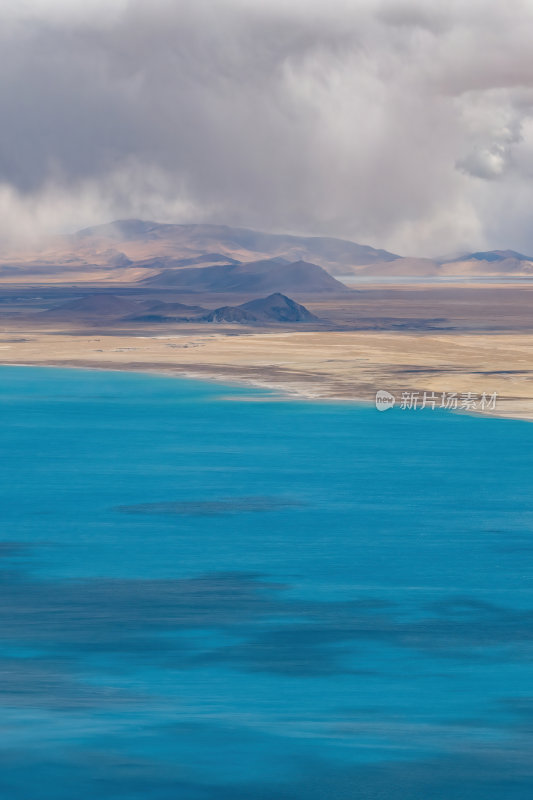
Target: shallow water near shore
[[204, 597]]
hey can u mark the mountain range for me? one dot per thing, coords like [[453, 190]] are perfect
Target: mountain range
[[137, 239], [128, 251]]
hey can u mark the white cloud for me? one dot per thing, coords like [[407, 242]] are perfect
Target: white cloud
[[404, 124]]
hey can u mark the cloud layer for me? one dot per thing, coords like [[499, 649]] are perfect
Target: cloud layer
[[402, 124]]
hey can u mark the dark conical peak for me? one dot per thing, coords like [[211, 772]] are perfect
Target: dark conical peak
[[276, 307]]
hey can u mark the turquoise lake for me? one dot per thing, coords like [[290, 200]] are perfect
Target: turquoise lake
[[209, 593]]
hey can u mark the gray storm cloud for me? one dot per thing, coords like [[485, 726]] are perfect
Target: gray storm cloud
[[407, 125]]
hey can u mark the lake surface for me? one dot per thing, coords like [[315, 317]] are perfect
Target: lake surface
[[211, 594]]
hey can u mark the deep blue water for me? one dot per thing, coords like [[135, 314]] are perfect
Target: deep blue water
[[210, 594]]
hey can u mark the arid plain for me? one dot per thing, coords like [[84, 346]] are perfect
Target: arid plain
[[198, 300], [413, 340]]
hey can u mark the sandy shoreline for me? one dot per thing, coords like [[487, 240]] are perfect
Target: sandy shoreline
[[339, 366]]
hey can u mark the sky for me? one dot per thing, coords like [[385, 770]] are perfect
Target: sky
[[404, 124]]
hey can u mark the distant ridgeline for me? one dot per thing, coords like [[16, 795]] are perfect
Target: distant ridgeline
[[102, 307], [245, 260]]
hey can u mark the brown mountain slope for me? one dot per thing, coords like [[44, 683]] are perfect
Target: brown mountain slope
[[140, 239]]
